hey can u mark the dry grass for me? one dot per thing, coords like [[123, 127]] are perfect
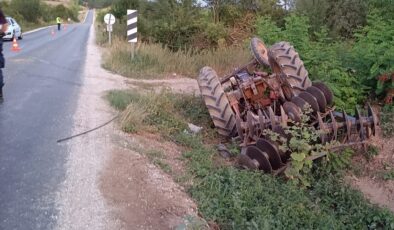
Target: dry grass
[[132, 117], [58, 2], [155, 61]]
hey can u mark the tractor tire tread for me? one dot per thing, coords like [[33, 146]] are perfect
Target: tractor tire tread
[[284, 57], [217, 102]]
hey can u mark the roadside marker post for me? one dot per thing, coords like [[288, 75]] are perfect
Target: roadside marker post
[[132, 16], [109, 19]]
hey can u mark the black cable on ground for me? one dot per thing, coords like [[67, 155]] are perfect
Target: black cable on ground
[[88, 131]]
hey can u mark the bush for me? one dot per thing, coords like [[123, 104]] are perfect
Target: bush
[[34, 13], [373, 52], [30, 10], [321, 56]]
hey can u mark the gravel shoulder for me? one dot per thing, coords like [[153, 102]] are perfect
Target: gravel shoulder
[[108, 185]]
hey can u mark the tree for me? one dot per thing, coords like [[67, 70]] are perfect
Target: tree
[[342, 17], [345, 16], [315, 10], [96, 3], [120, 7]]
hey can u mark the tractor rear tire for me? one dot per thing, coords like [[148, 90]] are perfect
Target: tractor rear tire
[[217, 102], [286, 62]]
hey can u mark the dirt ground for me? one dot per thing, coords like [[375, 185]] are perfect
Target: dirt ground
[[109, 183], [369, 180]]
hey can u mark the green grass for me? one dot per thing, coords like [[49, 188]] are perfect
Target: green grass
[[389, 175], [241, 199], [167, 113]]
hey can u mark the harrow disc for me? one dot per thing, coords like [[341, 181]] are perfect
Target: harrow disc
[[320, 98], [245, 162], [293, 111], [255, 153], [301, 103], [311, 100], [279, 130], [326, 91], [272, 152], [260, 51]]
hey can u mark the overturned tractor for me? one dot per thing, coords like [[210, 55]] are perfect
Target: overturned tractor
[[249, 101]]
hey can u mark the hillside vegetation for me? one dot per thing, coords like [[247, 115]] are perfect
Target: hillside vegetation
[[36, 13], [348, 43]]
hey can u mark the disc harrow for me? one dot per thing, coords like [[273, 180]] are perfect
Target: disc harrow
[[248, 102], [333, 126]]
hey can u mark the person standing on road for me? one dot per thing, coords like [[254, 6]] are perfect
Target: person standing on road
[[59, 22], [4, 28]]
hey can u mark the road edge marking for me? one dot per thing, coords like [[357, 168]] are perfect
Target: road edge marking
[[86, 16], [36, 30]]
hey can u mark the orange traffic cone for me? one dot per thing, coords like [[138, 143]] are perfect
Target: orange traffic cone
[[15, 46]]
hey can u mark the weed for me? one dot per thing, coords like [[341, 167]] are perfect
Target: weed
[[388, 175], [164, 166], [371, 152], [302, 146], [132, 118], [234, 149], [337, 162], [154, 154], [192, 223], [387, 120], [121, 99]]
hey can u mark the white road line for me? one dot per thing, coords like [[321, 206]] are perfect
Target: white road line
[[87, 12], [36, 30]]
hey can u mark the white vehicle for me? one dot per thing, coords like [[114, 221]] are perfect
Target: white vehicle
[[14, 30]]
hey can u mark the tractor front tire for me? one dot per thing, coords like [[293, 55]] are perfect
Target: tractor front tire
[[217, 102]]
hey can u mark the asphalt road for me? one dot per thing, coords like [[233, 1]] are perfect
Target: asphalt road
[[41, 91]]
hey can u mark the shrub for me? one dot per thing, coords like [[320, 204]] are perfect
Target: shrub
[[373, 52], [321, 56]]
